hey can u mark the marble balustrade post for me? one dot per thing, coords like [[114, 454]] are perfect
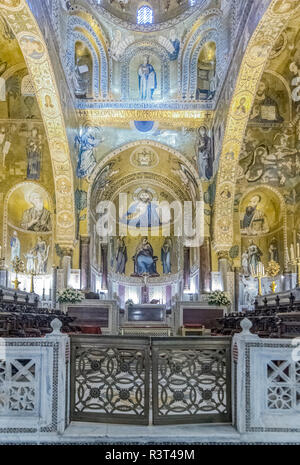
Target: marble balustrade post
[[287, 281]]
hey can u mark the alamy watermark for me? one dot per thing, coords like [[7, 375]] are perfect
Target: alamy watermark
[[149, 217]]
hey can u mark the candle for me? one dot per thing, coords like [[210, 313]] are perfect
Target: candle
[[0, 251], [298, 250], [292, 252]]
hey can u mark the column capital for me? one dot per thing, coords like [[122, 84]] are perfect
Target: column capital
[[84, 239], [223, 255], [67, 251]]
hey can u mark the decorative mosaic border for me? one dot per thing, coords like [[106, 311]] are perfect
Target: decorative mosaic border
[[201, 105]]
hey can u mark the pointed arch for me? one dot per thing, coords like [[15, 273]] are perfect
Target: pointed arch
[[32, 44]]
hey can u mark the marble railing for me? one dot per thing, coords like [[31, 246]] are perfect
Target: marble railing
[[266, 383], [34, 384]]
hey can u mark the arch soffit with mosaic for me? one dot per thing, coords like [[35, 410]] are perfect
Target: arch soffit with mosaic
[[108, 158], [33, 47], [261, 43], [145, 142]]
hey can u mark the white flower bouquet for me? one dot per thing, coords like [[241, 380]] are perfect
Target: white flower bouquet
[[70, 295], [219, 298]]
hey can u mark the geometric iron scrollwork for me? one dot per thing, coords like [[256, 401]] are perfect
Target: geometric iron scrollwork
[[191, 384], [110, 381]]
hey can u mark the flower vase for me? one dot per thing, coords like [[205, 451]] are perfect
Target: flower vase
[[273, 287], [63, 307]]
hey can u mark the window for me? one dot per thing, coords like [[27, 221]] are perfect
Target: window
[[145, 15], [27, 88]]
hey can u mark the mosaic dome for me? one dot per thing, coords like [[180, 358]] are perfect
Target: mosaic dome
[[147, 15]]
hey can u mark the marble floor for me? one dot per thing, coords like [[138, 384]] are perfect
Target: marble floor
[[97, 433]]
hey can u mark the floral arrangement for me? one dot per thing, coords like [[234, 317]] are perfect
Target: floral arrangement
[[129, 302], [18, 265], [70, 295], [273, 269], [219, 298]]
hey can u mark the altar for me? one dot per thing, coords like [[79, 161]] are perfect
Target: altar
[[146, 320], [197, 314], [94, 313]]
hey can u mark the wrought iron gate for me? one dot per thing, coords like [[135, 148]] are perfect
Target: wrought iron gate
[[191, 380], [110, 379]]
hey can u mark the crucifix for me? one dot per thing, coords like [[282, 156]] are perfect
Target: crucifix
[[145, 296]]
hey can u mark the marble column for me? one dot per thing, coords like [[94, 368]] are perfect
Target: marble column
[[67, 265], [104, 251], [223, 259], [85, 264], [3, 273], [205, 267], [186, 268], [236, 288], [54, 286], [287, 281]]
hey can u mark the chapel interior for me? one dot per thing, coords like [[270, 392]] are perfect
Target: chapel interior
[[150, 171]]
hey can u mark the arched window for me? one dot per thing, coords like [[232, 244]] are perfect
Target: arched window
[[27, 88], [145, 15]]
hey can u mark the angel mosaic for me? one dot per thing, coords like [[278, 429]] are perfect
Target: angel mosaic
[[87, 139]]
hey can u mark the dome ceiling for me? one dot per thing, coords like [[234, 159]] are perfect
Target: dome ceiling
[[166, 13]]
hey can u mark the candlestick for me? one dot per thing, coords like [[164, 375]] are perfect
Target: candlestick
[[292, 252], [298, 250], [259, 273]]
